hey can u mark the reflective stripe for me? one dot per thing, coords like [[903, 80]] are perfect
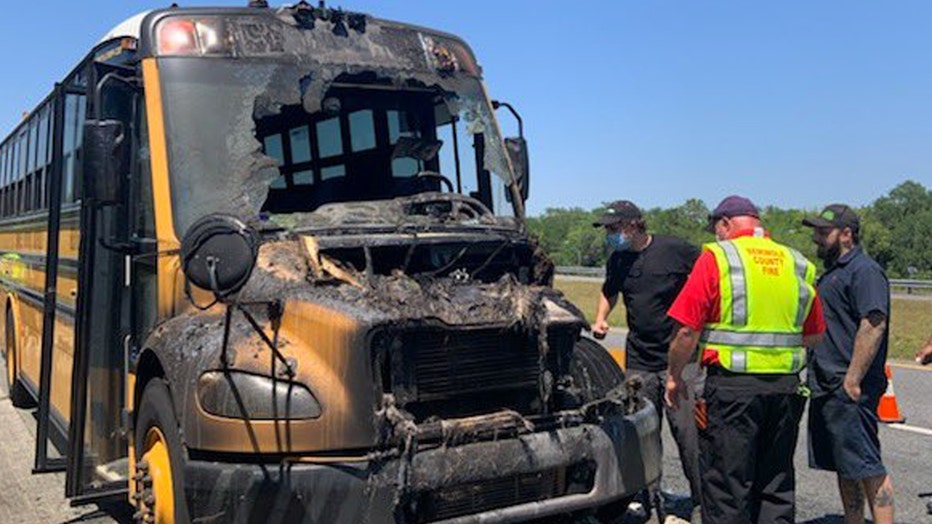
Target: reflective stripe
[[739, 361], [763, 340], [797, 361], [739, 289], [802, 267]]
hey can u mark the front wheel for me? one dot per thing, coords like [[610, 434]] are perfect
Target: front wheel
[[594, 370], [19, 396], [159, 459]]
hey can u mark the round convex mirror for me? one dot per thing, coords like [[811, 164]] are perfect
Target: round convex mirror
[[218, 254]]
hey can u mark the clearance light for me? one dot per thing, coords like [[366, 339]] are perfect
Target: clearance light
[[448, 56], [467, 63], [210, 40], [178, 37], [191, 37]]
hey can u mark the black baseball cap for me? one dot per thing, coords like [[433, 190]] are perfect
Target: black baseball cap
[[732, 206], [835, 216], [618, 211]]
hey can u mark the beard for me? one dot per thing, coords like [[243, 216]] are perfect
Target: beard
[[829, 253]]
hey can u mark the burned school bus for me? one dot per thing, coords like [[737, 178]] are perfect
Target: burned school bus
[[306, 292]]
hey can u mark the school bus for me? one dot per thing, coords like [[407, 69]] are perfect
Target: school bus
[[271, 265]]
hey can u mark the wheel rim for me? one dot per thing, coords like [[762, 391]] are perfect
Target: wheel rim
[[161, 503]]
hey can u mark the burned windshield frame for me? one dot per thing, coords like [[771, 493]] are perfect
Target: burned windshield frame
[[219, 114]]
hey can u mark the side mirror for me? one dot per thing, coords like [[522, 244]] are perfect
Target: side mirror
[[106, 161], [218, 253], [517, 151]]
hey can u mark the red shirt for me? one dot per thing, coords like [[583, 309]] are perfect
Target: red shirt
[[698, 301]]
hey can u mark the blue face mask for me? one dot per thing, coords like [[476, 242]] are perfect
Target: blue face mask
[[617, 241]]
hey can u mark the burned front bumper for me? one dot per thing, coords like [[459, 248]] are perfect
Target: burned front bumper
[[508, 480]]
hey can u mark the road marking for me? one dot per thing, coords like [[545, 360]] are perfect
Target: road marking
[[912, 429], [915, 367]]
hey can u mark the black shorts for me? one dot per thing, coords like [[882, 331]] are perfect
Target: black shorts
[[843, 435]]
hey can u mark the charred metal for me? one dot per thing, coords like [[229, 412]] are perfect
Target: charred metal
[[389, 332]]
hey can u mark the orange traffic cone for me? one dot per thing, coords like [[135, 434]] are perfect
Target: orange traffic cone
[[887, 410]]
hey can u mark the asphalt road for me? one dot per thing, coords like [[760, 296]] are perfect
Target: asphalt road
[[29, 499], [906, 449], [33, 499]]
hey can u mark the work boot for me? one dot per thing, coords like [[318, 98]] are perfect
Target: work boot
[[637, 513]]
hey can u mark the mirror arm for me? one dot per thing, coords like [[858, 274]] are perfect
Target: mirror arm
[[496, 104], [112, 76], [125, 248]]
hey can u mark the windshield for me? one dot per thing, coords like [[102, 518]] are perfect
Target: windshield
[[292, 135]]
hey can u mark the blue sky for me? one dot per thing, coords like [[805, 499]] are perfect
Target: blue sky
[[791, 103]]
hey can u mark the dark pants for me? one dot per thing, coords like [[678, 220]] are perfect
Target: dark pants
[[746, 449], [843, 434], [682, 424]]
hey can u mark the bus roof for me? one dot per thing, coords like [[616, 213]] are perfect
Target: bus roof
[[131, 27]]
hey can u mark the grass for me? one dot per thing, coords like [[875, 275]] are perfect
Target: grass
[[585, 294], [910, 320], [910, 326]]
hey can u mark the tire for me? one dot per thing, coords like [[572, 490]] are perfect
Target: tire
[[19, 395], [160, 458], [594, 371], [614, 512]]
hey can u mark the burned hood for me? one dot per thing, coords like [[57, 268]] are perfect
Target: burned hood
[[286, 271]]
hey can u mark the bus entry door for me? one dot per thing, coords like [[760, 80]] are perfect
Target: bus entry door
[[97, 456]]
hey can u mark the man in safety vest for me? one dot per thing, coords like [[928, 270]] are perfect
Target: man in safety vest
[[750, 306]]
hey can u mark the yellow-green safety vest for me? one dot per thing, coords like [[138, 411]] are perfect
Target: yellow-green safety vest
[[766, 293]]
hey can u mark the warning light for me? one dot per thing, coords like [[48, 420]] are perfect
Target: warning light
[[182, 36], [178, 37]]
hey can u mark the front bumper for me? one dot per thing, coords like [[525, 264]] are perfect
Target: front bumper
[[623, 451]]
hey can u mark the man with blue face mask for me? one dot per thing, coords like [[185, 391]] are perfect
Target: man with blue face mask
[[648, 271]]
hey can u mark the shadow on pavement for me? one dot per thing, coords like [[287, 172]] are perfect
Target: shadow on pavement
[[831, 519], [120, 512]]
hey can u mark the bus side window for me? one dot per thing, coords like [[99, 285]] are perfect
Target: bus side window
[[68, 149], [3, 151], [74, 119], [32, 142], [42, 158]]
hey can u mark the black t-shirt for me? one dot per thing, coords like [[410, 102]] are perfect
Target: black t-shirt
[[649, 281], [855, 287]]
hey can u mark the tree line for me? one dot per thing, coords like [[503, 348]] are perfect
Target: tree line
[[896, 230]]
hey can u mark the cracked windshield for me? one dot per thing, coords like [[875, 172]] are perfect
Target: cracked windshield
[[294, 142]]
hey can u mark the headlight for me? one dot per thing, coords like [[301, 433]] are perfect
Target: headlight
[[236, 394]]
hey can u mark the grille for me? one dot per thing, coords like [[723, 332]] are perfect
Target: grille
[[502, 492], [442, 364], [437, 372]]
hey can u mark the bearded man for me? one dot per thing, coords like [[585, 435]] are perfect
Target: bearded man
[[846, 370]]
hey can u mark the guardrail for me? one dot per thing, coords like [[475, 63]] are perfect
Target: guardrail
[[912, 286], [580, 271], [901, 285]]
